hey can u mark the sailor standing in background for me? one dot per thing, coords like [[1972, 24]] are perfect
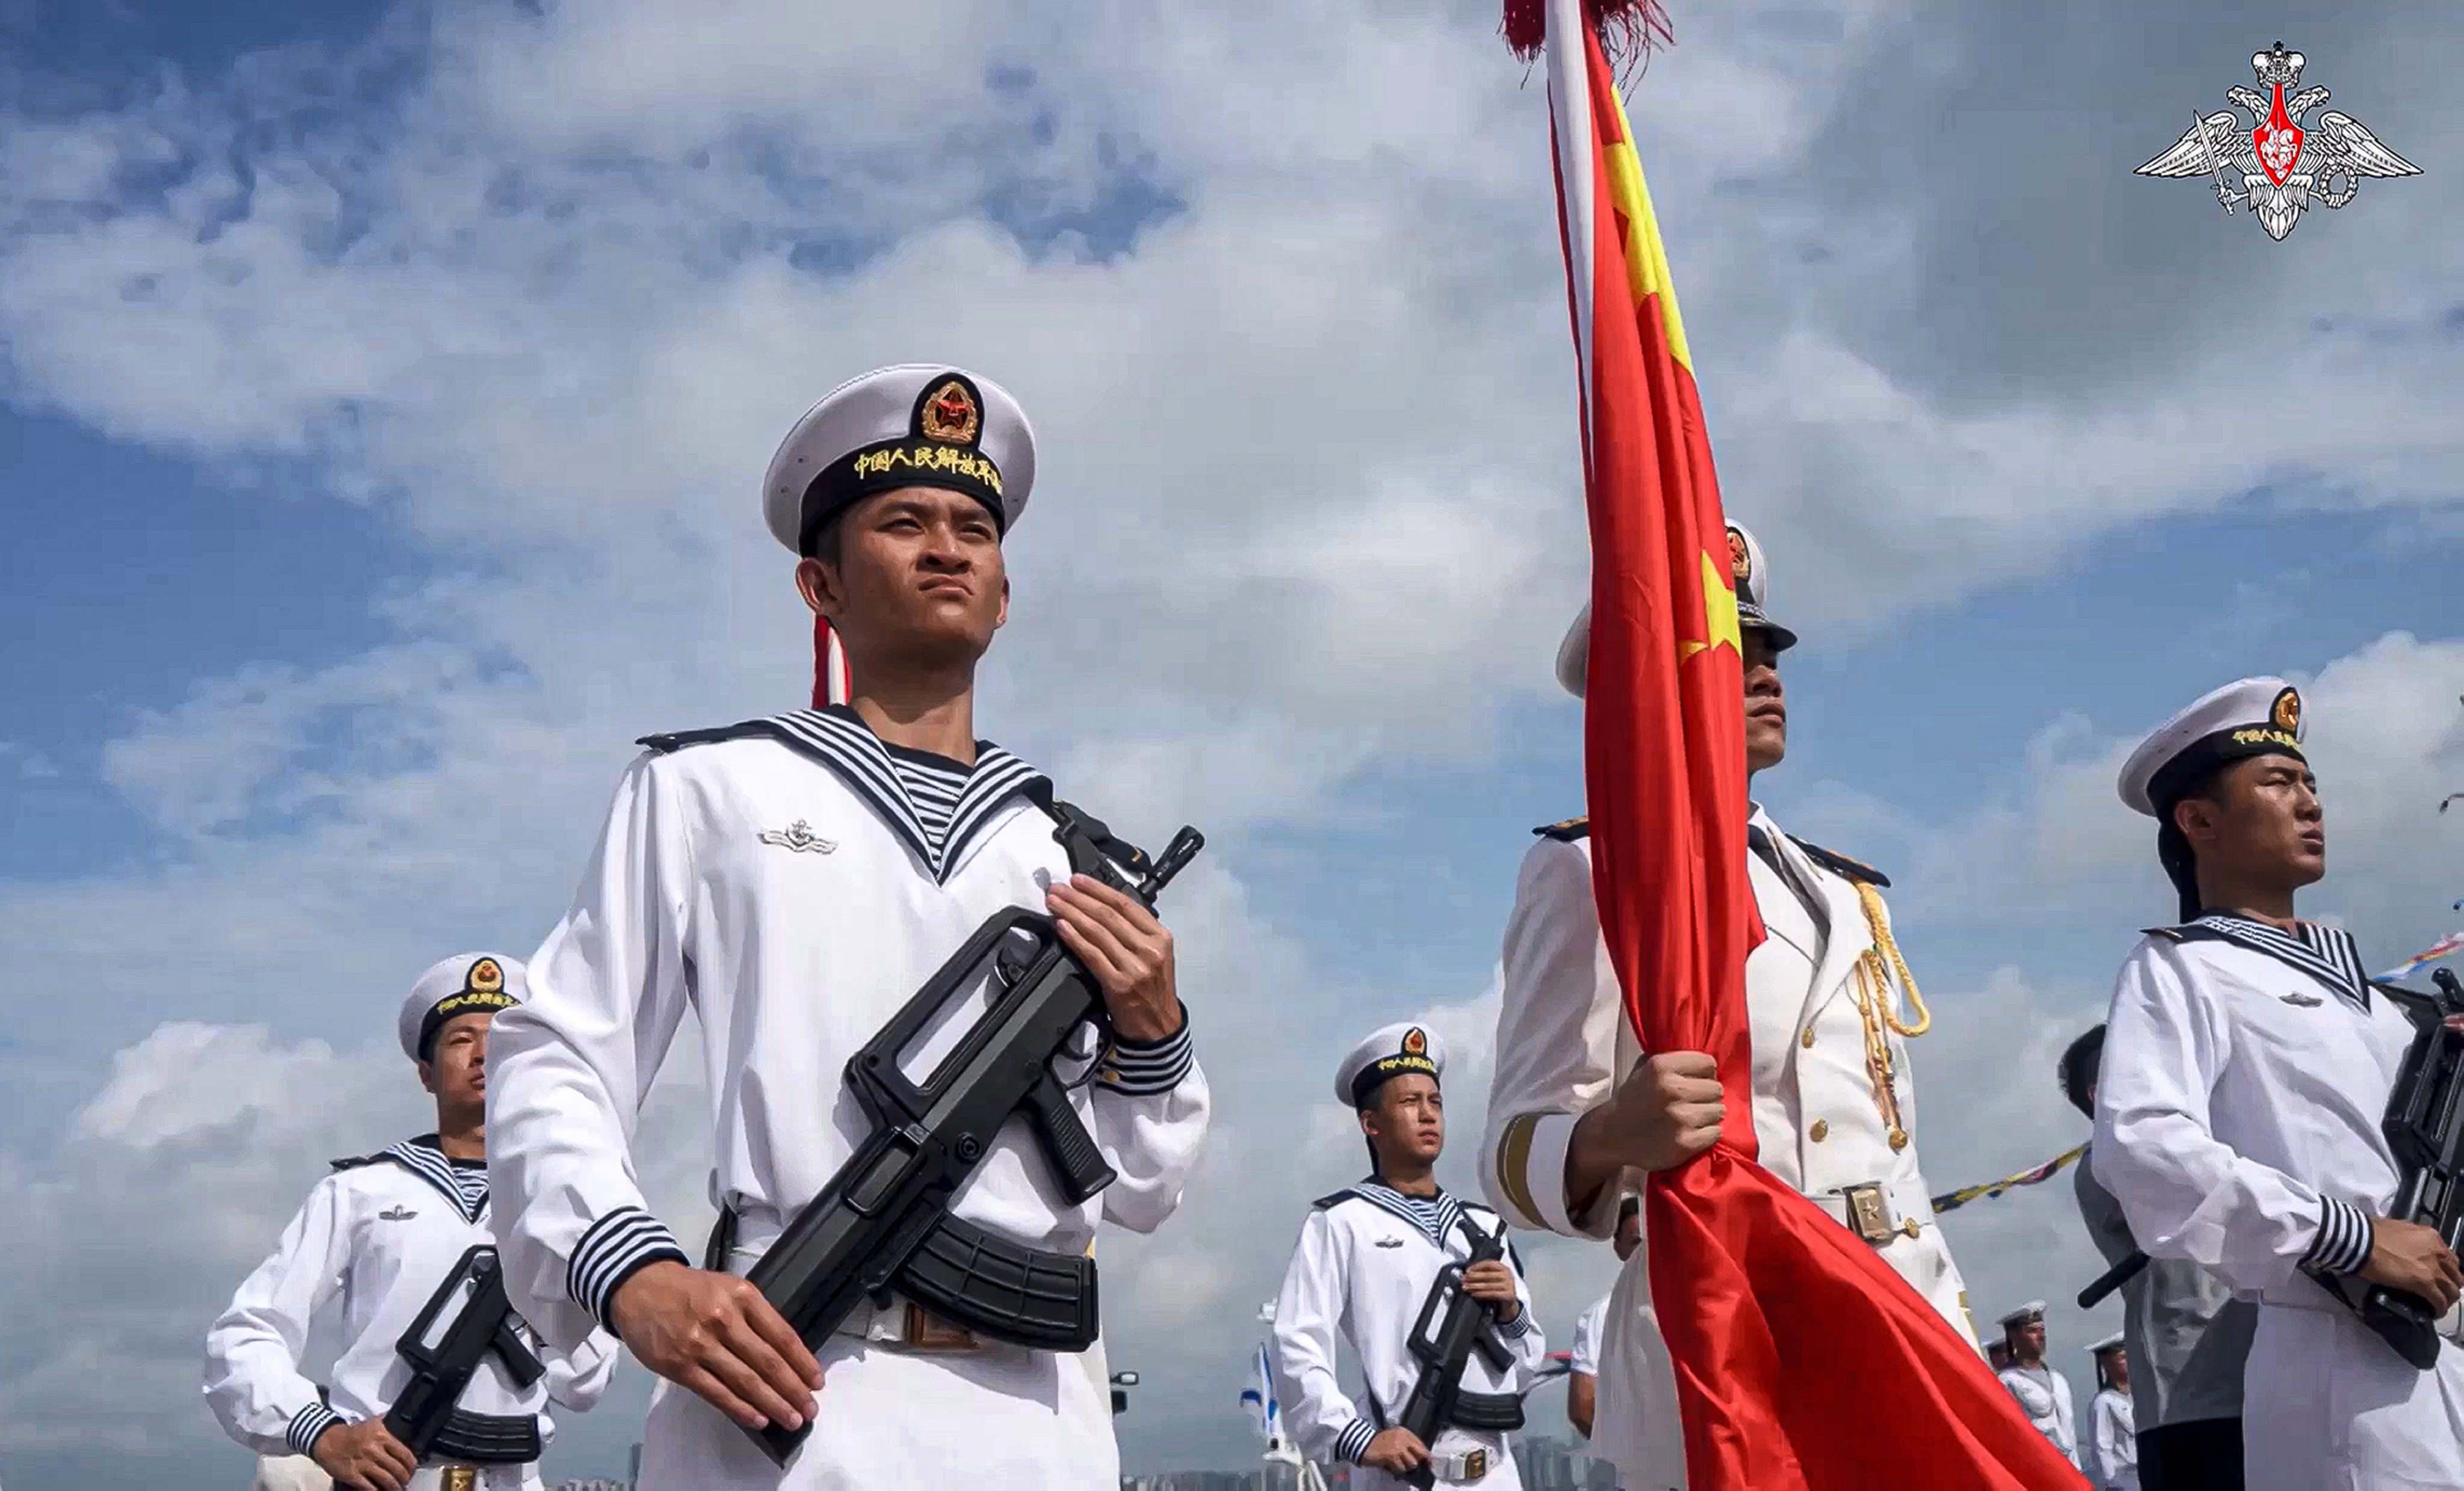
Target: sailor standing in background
[[2113, 1431], [2188, 1338], [2237, 1113], [376, 1241], [2044, 1394], [794, 881], [1577, 1112], [1362, 1271]]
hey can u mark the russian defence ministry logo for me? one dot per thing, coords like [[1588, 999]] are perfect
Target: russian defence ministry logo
[[2282, 163]]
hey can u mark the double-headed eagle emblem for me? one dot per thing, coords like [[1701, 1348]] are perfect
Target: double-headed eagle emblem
[[2283, 166]]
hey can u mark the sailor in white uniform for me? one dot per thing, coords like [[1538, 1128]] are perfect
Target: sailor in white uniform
[[1577, 1111], [2114, 1431], [1363, 1270], [795, 881], [2044, 1394], [1583, 1358], [2247, 1062], [377, 1239]]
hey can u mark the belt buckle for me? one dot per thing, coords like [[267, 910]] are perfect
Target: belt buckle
[[922, 1330], [1475, 1465], [1869, 1213], [458, 1478]]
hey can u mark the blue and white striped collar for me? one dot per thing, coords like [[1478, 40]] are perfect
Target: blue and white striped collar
[[465, 1186], [1434, 1218], [839, 739], [2326, 953]]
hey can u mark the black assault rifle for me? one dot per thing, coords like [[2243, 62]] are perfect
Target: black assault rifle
[[2424, 1127], [445, 1354], [1452, 1326], [883, 1224]]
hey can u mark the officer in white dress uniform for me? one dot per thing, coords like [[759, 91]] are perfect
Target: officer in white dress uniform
[[376, 1241], [2044, 1395], [2247, 1062], [1583, 1358], [1363, 1269], [795, 881], [1575, 1108], [2114, 1431]]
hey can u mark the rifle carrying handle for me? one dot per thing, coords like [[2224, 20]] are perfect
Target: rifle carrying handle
[[1067, 1144]]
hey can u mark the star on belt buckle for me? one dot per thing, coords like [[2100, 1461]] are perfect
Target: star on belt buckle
[[1869, 1213], [458, 1478]]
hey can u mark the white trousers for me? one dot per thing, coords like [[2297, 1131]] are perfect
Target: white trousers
[[2328, 1406], [1000, 1416]]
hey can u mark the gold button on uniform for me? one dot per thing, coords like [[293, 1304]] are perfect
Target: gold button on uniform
[[1808, 1040], [1908, 1225], [1899, 1139], [1821, 1130]]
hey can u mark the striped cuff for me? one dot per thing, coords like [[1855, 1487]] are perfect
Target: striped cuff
[[1354, 1442], [1149, 1068], [617, 1246], [2342, 1244], [307, 1424], [1518, 1327]]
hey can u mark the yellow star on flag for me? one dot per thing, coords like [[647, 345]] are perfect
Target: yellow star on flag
[[1718, 615]]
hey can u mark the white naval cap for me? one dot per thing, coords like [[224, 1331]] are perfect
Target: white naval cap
[[2249, 716], [2111, 1343], [468, 983], [1752, 578], [2033, 1309], [1390, 1051], [917, 424]]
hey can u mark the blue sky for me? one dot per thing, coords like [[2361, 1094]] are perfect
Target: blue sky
[[386, 387]]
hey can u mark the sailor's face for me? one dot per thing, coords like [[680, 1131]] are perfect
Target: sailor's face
[[456, 1068], [919, 566], [2028, 1341], [1410, 1117], [1766, 703], [2272, 819]]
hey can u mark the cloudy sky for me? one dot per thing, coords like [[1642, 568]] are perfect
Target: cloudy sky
[[387, 388]]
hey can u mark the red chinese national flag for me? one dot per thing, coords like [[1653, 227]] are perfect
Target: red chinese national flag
[[1801, 1359]]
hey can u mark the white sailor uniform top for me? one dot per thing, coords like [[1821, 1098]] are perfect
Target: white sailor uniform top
[[2044, 1395], [375, 1238], [794, 881], [2238, 1121], [1362, 1270]]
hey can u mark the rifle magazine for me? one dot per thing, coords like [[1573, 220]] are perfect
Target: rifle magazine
[[1005, 1290]]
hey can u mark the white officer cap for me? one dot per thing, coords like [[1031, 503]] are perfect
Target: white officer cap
[[2033, 1309], [2252, 717], [917, 424], [468, 983], [1389, 1051], [2111, 1343], [1752, 578]]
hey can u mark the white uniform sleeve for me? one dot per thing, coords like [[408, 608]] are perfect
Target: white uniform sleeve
[[1557, 1045], [576, 1378], [1150, 1105], [1323, 1421], [2185, 1193], [2115, 1451], [2063, 1415], [1522, 1334], [253, 1378], [1585, 1356], [568, 1070]]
